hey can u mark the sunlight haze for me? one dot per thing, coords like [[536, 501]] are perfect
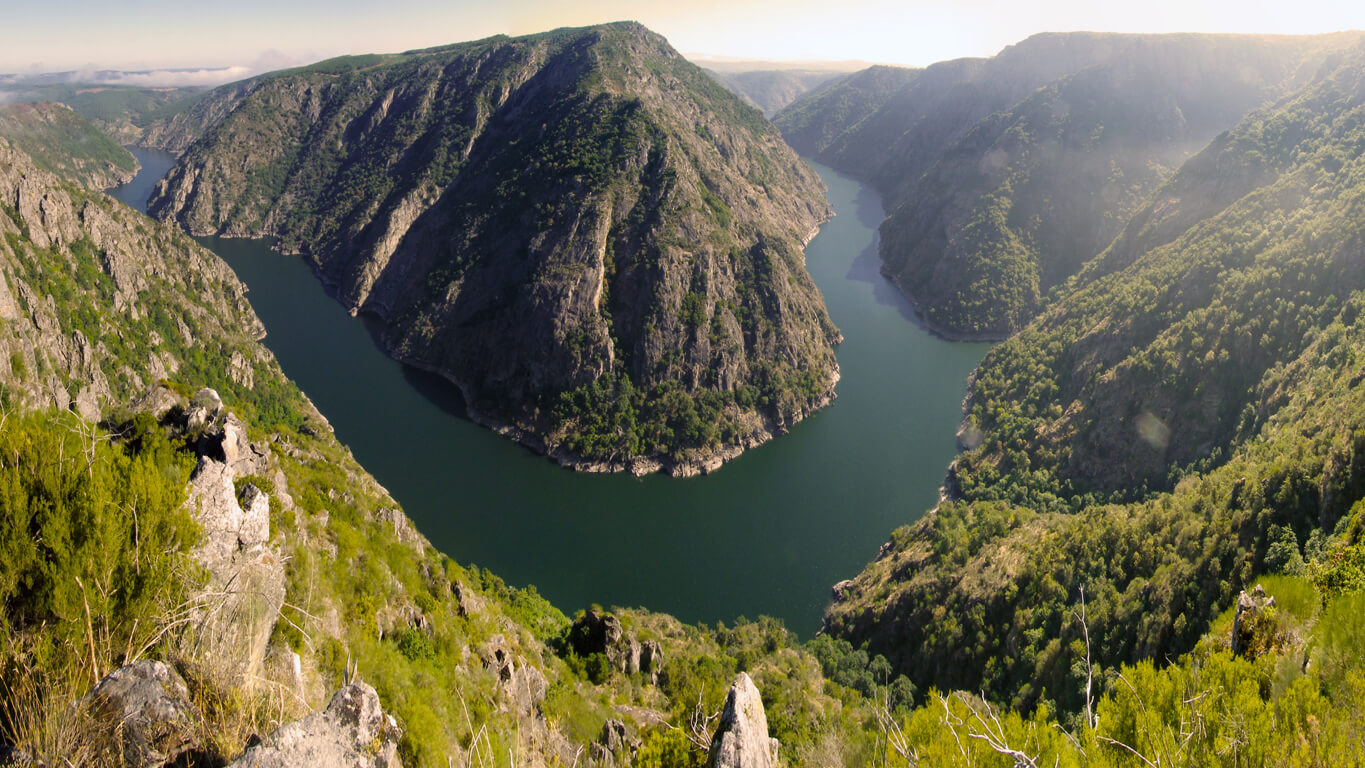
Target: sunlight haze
[[260, 35]]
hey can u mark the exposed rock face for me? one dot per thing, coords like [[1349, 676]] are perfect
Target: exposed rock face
[[741, 739], [587, 234], [146, 706], [352, 731], [246, 585], [136, 297], [1249, 629], [614, 746], [602, 633], [523, 685]]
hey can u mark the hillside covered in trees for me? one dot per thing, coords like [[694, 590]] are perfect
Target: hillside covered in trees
[[1003, 176], [1153, 552], [1183, 420]]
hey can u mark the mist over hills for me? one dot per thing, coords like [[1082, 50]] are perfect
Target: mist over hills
[[1004, 175]]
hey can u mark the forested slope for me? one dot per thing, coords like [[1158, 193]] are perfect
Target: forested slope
[[1184, 418]]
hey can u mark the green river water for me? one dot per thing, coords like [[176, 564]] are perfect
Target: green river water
[[767, 534]]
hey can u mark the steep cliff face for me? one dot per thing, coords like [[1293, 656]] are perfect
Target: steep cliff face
[[95, 306], [1005, 175], [596, 241], [61, 141]]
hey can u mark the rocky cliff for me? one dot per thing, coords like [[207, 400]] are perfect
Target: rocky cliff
[[597, 242], [1004, 175], [96, 306]]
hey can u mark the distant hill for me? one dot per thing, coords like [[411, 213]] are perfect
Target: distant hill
[[65, 143], [771, 90], [122, 111], [1004, 175]]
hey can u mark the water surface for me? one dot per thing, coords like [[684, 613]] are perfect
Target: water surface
[[767, 534]]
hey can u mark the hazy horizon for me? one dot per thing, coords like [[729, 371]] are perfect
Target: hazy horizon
[[255, 36]]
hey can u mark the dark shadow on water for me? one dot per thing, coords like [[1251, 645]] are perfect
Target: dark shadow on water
[[437, 391], [867, 207], [867, 268]]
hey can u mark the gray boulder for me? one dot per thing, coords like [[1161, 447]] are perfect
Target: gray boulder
[[352, 731], [601, 632], [146, 707], [741, 739]]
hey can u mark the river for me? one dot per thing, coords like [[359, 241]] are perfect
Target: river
[[767, 534]]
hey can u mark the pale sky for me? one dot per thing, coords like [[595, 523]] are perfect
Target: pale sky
[[59, 35]]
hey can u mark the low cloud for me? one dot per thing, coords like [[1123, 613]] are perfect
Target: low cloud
[[168, 78], [16, 97]]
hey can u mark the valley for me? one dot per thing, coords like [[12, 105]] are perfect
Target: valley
[[1016, 421], [798, 515]]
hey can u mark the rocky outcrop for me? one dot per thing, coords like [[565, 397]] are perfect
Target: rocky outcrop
[[246, 588], [596, 242], [601, 633], [146, 708], [352, 731], [522, 684], [1253, 628], [741, 739]]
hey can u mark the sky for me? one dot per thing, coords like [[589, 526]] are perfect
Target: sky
[[257, 35]]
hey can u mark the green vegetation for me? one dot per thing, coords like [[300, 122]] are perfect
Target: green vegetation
[[1003, 176], [1183, 420], [63, 142]]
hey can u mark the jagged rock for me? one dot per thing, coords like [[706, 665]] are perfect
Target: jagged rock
[[1249, 632], [352, 731], [240, 370], [402, 527], [246, 585], [839, 590], [741, 739], [9, 308], [467, 600], [613, 735], [613, 747], [204, 408], [602, 633], [523, 685], [651, 659], [158, 401], [146, 706]]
